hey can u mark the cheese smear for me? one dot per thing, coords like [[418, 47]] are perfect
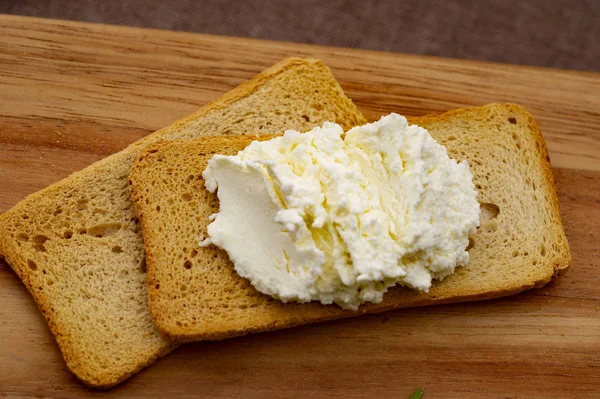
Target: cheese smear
[[340, 219]]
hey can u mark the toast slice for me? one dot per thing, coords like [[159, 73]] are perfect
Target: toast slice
[[196, 294], [77, 245]]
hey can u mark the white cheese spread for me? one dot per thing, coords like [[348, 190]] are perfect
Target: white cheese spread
[[320, 216]]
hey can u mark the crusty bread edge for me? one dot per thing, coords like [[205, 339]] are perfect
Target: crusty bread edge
[[8, 250], [246, 89], [151, 261], [361, 311]]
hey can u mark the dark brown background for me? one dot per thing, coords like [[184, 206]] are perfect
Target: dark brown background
[[552, 33]]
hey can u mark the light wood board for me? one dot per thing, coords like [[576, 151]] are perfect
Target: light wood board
[[73, 93]]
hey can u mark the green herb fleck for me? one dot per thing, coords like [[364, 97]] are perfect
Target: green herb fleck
[[418, 394]]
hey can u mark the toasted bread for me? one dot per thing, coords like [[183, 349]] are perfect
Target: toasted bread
[[196, 294], [77, 245]]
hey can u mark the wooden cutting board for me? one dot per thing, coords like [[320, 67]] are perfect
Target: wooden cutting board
[[72, 93]]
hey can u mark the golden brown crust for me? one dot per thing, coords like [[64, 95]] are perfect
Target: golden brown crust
[[563, 257], [250, 86]]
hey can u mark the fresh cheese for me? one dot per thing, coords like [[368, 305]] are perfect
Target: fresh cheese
[[341, 218]]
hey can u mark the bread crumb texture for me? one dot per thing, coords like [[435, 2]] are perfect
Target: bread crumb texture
[[77, 245], [195, 292]]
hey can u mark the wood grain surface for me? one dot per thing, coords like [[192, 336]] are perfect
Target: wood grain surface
[[72, 93]]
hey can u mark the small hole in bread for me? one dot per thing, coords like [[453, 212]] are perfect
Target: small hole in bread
[[38, 243], [40, 239], [116, 249], [104, 229], [512, 120], [82, 203], [471, 244], [157, 286], [32, 265], [22, 237], [186, 196], [517, 140], [157, 208], [68, 234], [187, 264], [194, 253], [488, 211]]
